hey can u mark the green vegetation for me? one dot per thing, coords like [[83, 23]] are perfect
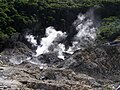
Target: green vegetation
[[17, 15], [110, 29]]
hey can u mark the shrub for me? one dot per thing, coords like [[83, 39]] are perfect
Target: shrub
[[110, 29], [10, 30], [3, 37]]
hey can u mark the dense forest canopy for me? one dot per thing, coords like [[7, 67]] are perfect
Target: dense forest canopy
[[17, 15]]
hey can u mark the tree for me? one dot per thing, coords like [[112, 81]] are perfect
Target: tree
[[110, 29]]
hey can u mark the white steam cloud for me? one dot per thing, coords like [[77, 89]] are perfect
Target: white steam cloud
[[31, 39], [86, 33], [51, 42]]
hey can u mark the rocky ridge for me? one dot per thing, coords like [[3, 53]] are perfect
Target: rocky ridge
[[94, 68]]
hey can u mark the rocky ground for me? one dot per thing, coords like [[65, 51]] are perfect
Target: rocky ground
[[94, 68]]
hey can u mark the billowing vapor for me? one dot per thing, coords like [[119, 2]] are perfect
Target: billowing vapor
[[50, 42], [86, 35], [31, 39]]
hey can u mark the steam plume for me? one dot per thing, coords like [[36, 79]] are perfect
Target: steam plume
[[86, 35]]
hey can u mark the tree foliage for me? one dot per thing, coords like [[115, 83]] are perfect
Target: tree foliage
[[16, 15], [110, 29]]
